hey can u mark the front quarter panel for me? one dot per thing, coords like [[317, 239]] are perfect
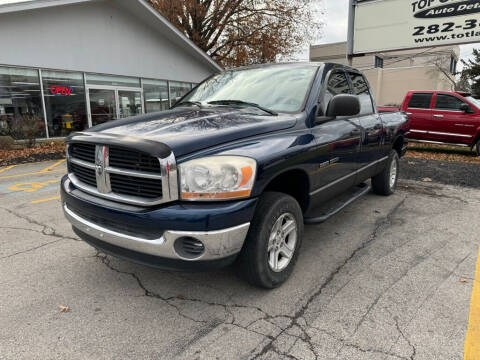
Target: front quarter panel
[[275, 153]]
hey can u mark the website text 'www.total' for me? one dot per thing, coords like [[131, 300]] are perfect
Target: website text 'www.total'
[[471, 34]]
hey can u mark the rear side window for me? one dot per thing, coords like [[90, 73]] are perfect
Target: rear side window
[[448, 102], [420, 101], [360, 88]]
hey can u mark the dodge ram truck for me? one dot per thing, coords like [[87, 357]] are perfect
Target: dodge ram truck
[[233, 171], [444, 117]]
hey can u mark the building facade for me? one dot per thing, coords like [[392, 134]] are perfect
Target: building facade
[[393, 74], [67, 65]]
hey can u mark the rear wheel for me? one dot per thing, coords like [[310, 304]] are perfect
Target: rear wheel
[[273, 242], [386, 182], [477, 148]]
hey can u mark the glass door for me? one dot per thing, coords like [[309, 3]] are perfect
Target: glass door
[[129, 103], [103, 106]]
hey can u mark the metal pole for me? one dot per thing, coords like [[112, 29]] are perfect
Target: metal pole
[[40, 78], [351, 31], [87, 101]]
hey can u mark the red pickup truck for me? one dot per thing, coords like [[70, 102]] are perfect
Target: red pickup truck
[[443, 117]]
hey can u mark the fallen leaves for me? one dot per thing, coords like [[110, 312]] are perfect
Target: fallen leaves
[[427, 179], [63, 309], [51, 151], [463, 281], [441, 152]]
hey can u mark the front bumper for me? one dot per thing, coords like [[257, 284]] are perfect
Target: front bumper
[[221, 229]]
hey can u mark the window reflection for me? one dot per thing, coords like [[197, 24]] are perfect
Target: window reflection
[[64, 102], [178, 90], [21, 114], [155, 93]]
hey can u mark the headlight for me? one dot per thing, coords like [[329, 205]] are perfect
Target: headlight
[[217, 178]]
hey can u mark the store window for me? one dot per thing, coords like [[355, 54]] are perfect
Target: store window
[[155, 93], [109, 80], [21, 114], [64, 102], [178, 90]]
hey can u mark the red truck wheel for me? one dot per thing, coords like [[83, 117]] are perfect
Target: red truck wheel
[[477, 148]]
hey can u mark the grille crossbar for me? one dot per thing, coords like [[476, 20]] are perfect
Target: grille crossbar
[[121, 174]]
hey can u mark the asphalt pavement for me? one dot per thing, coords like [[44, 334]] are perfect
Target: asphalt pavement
[[387, 278]]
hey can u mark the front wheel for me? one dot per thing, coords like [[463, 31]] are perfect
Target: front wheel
[[273, 242], [386, 182]]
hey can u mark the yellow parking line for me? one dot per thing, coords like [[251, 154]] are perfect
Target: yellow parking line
[[7, 168], [51, 167], [45, 200], [472, 341], [29, 174]]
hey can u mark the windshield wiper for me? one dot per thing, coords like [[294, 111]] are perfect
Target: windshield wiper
[[196, 103], [240, 102]]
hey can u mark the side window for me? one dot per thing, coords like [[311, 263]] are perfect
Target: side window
[[360, 88], [448, 102], [420, 101], [337, 84]]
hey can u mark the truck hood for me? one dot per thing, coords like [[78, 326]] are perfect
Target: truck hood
[[186, 130]]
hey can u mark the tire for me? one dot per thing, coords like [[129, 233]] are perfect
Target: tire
[[256, 262], [386, 182], [477, 148]]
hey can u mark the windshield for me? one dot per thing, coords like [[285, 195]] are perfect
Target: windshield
[[276, 88], [474, 101]]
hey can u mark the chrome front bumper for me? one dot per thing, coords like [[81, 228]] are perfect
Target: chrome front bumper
[[218, 244]]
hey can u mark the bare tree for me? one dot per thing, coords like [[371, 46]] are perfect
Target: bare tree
[[242, 32]]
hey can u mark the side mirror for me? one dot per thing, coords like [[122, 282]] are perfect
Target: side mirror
[[343, 105], [466, 108]]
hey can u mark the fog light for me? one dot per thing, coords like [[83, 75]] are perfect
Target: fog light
[[189, 248]]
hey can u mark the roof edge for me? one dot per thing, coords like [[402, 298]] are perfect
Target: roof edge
[[37, 4], [178, 33]]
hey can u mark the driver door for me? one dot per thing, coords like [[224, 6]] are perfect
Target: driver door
[[337, 143], [451, 124]]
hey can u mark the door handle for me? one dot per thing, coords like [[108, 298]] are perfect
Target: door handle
[[438, 116]]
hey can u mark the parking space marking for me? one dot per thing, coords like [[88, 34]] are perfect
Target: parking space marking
[[31, 174], [32, 186], [51, 167], [7, 168], [45, 200], [472, 341]]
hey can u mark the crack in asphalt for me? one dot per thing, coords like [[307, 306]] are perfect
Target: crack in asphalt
[[30, 249], [169, 301], [46, 231], [300, 312], [428, 297], [402, 334], [346, 343]]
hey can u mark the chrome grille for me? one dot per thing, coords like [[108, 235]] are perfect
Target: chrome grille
[[84, 174], [85, 152], [126, 159], [128, 185], [122, 174]]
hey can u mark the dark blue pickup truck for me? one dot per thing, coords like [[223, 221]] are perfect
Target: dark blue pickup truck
[[233, 171]]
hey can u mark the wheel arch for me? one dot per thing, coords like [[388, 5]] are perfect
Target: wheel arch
[[294, 182], [398, 143]]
